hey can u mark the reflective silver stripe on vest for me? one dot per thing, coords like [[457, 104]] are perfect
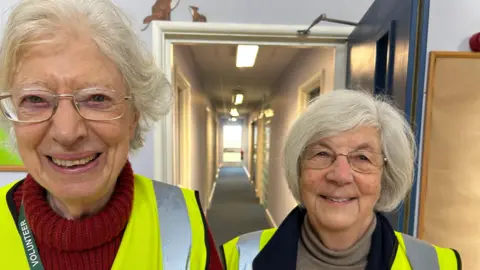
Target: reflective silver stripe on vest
[[421, 255], [175, 229], [248, 246]]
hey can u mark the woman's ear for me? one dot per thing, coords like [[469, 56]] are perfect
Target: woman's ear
[[134, 123]]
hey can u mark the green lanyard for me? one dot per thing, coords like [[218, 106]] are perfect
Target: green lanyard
[[28, 241]]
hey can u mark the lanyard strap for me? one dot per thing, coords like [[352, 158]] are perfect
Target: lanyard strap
[[28, 240]]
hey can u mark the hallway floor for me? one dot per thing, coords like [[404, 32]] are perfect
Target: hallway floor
[[235, 209]]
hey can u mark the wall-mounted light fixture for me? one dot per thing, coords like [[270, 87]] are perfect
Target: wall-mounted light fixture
[[234, 112], [268, 113], [233, 119], [237, 98], [246, 55]]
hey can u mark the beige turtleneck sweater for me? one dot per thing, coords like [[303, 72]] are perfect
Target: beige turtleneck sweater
[[312, 254]]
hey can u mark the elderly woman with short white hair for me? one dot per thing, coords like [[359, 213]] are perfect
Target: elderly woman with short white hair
[[348, 158], [79, 92]]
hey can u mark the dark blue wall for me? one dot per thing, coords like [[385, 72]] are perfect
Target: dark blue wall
[[405, 22]]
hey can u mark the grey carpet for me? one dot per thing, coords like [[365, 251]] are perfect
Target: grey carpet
[[235, 210]]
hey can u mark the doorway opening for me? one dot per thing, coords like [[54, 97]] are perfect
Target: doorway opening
[[253, 157], [174, 40], [312, 94], [232, 143], [381, 65]]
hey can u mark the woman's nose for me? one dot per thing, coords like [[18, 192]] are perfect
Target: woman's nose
[[68, 126], [341, 171]]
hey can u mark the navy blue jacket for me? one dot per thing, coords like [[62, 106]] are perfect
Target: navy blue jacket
[[281, 251]]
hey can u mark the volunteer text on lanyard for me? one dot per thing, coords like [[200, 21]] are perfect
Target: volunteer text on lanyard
[[28, 241]]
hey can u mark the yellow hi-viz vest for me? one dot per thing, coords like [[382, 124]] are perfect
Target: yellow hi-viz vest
[[412, 253], [165, 231]]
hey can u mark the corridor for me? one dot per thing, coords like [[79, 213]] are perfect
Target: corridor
[[235, 209]]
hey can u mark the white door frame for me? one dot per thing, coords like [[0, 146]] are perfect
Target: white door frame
[[317, 80], [166, 34], [181, 155]]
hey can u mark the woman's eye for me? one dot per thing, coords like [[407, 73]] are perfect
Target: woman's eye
[[361, 157], [33, 99], [98, 98]]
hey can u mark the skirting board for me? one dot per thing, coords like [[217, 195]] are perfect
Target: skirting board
[[270, 219], [248, 174], [211, 195], [209, 203]]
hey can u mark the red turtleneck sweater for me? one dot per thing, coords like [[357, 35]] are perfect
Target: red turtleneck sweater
[[89, 243]]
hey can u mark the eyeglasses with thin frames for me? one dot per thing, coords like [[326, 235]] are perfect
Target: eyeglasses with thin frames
[[35, 106], [361, 161]]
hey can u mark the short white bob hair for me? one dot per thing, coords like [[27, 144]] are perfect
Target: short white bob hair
[[340, 111], [35, 21]]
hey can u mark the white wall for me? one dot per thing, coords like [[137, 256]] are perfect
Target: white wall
[[199, 145], [452, 23], [8, 177], [246, 152], [304, 66], [239, 11], [251, 11]]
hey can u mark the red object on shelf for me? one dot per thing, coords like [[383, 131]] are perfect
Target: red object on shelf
[[475, 42]]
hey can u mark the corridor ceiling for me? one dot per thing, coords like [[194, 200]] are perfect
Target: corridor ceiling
[[217, 69]]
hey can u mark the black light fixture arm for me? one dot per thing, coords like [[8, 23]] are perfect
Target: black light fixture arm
[[323, 17]]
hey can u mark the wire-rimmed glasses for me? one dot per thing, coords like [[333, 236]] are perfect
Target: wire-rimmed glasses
[[362, 161], [34, 106]]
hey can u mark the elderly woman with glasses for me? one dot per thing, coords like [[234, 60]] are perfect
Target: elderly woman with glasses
[[348, 158], [78, 94]]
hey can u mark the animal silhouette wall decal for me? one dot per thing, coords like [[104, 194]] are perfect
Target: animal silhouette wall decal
[[197, 17], [160, 11]]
